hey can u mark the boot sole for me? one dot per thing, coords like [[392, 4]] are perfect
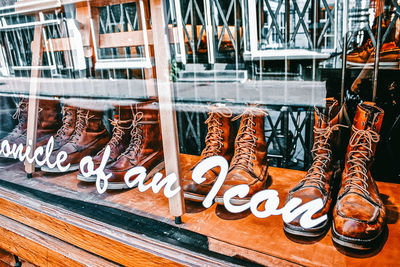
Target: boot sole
[[355, 243], [193, 197], [72, 168], [90, 179], [120, 186], [301, 232]]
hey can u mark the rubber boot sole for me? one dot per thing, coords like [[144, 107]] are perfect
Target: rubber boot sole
[[72, 168], [355, 243]]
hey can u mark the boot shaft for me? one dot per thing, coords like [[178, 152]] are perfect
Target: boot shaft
[[250, 145], [219, 138], [327, 130], [87, 122], [124, 113], [367, 120], [122, 127], [146, 135], [69, 119], [68, 124], [49, 114], [21, 114]]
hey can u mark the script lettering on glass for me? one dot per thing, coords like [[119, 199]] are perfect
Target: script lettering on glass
[[136, 177], [17, 152]]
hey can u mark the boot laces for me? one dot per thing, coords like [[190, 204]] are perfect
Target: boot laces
[[136, 137], [118, 132], [247, 139], [361, 143], [19, 114], [322, 153], [66, 122], [214, 136], [82, 121]]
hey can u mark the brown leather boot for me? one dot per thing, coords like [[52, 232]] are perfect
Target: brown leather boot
[[324, 171], [119, 141], [219, 142], [359, 214], [145, 147], [249, 164], [68, 126], [48, 122], [89, 137]]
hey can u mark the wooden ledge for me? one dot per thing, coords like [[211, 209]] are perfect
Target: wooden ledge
[[42, 249], [112, 243], [131, 222]]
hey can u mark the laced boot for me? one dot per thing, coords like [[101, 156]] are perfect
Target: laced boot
[[18, 134], [219, 142], [359, 214], [47, 126], [249, 164], [324, 171], [68, 126], [89, 137], [145, 147], [119, 141]]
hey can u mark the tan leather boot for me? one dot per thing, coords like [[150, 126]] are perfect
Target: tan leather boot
[[359, 215], [119, 141], [145, 147], [324, 171], [219, 142], [249, 164], [89, 137]]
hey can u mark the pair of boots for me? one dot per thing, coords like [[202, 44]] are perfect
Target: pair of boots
[[247, 154], [48, 122], [358, 216], [81, 134], [136, 141]]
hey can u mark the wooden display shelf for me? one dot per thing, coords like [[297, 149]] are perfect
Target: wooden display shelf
[[75, 213]]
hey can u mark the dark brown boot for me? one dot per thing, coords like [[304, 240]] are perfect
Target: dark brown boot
[[119, 141], [89, 137], [219, 142], [145, 147], [359, 215], [249, 164], [324, 171]]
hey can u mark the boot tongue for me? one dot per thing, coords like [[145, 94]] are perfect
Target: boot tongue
[[245, 140], [323, 119]]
